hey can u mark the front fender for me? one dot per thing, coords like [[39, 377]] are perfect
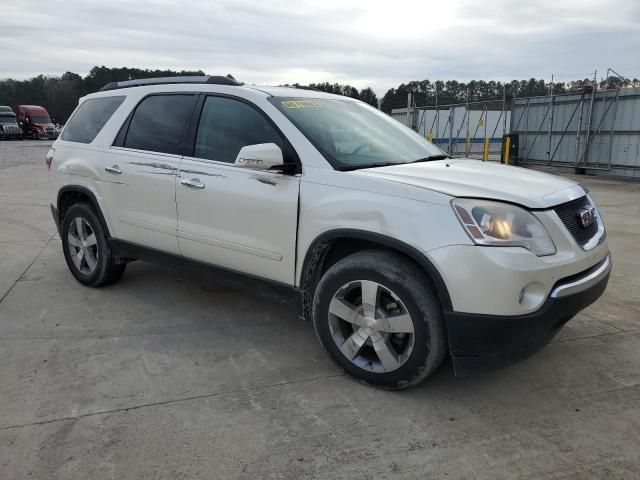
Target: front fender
[[410, 226]]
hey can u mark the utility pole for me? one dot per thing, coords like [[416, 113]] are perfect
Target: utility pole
[[585, 156], [504, 109], [435, 86], [451, 118], [550, 120], [579, 130], [468, 144]]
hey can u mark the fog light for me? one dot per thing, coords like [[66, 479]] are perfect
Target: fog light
[[532, 296]]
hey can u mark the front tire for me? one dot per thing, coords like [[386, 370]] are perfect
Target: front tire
[[376, 314], [86, 249]]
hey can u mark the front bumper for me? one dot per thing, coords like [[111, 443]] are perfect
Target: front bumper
[[10, 135], [481, 343]]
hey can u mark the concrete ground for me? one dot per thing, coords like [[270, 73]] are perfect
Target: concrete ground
[[168, 376]]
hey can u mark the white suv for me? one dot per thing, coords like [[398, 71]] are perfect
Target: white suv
[[398, 253]]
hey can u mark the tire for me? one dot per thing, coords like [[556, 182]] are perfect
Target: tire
[[88, 254], [391, 359]]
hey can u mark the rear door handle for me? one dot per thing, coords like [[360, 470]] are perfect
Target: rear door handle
[[192, 183], [113, 169]]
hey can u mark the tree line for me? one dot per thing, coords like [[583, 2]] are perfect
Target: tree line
[[450, 92], [367, 95], [59, 95]]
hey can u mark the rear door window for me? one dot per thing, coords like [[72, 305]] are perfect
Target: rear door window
[[159, 123], [91, 116]]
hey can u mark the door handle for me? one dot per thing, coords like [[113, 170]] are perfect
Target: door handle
[[192, 183], [113, 169]]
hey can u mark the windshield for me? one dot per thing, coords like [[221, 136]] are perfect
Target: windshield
[[354, 135], [43, 119], [8, 120]]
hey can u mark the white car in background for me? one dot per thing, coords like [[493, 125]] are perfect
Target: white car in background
[[399, 254]]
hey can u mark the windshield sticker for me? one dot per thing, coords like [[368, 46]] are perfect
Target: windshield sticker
[[300, 104]]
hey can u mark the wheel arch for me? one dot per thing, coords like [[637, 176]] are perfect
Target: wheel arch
[[333, 245], [72, 194]]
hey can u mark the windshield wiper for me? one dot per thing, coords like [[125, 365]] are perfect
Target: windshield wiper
[[440, 156], [348, 168]]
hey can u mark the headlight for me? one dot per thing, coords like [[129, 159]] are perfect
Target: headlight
[[503, 224]]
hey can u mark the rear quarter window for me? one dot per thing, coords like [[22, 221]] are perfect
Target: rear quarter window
[[91, 116]]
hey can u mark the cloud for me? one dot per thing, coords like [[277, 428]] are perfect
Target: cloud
[[374, 43]]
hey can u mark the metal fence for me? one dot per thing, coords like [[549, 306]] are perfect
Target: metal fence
[[472, 129], [596, 131]]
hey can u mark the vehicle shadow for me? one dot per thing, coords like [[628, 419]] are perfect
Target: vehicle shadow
[[230, 297]]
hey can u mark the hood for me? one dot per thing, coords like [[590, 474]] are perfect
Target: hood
[[461, 177]]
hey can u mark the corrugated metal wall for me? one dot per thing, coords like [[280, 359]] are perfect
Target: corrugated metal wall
[[598, 133], [447, 126]]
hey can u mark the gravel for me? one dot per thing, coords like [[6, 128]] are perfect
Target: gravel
[[23, 152]]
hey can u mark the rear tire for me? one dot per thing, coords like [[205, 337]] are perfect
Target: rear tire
[[393, 345], [86, 249]]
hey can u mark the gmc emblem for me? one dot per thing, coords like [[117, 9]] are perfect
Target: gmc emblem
[[587, 216]]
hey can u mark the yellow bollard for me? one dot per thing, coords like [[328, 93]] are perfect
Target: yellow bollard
[[485, 157], [430, 138], [507, 150]]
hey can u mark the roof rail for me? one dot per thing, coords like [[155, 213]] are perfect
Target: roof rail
[[141, 82], [306, 87]]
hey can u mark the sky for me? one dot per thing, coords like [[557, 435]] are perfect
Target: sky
[[372, 43]]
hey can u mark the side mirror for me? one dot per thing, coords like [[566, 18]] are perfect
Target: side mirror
[[262, 156]]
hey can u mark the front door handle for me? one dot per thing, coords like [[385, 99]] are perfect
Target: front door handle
[[192, 183], [113, 169]]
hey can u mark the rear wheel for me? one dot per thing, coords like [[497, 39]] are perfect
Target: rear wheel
[[378, 318], [86, 249]]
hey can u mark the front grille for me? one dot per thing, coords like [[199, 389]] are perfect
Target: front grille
[[568, 213]]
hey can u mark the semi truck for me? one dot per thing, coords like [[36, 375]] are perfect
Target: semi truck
[[9, 128], [36, 122]]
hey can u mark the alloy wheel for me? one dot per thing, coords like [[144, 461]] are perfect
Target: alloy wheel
[[371, 326], [83, 246]]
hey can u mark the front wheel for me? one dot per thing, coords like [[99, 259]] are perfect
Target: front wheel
[[86, 249], [377, 316]]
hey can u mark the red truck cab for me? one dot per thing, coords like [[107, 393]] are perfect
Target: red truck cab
[[35, 122]]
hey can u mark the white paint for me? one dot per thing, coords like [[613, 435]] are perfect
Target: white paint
[[239, 222]]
